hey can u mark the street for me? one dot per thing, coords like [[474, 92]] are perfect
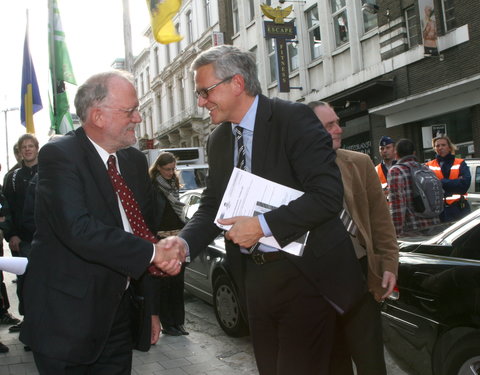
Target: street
[[207, 350]]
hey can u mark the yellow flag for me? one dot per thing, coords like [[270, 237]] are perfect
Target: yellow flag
[[161, 14]]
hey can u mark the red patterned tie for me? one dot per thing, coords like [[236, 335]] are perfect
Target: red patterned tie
[[132, 210]]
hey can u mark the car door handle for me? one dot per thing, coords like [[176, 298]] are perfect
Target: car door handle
[[418, 278]]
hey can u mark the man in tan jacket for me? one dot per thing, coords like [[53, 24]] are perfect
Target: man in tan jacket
[[359, 332]]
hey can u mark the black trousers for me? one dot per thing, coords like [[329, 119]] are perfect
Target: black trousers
[[170, 300], [291, 324], [358, 337], [115, 359]]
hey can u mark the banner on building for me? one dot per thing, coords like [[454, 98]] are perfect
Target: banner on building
[[428, 24]]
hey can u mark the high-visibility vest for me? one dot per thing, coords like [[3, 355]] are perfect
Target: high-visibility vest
[[454, 174], [381, 175]]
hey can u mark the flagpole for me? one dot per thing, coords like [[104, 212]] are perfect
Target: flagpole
[[53, 70], [127, 37], [5, 111]]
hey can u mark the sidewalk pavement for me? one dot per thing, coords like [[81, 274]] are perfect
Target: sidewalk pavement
[[196, 354]]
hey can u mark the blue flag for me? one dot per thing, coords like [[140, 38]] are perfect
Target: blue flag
[[31, 101]]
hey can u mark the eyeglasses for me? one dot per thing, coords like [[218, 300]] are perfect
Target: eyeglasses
[[204, 92], [128, 111]]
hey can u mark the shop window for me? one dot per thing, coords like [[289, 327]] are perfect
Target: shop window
[[340, 22]]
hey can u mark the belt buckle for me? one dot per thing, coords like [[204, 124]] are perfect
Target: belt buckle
[[257, 257]]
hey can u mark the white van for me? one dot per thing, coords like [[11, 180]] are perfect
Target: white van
[[474, 190]]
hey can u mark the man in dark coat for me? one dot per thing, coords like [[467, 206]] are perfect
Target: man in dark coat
[[291, 300], [85, 258]]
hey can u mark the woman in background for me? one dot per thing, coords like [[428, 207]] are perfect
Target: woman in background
[[169, 291]]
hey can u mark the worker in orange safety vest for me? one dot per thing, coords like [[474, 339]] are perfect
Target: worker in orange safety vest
[[386, 148], [455, 177]]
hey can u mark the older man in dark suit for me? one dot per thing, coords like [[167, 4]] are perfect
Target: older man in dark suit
[[291, 300], [88, 249]]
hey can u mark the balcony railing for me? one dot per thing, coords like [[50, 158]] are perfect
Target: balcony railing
[[181, 117]]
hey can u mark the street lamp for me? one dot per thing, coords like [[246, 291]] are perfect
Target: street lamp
[[5, 111]]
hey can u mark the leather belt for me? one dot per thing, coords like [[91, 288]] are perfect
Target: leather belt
[[260, 257]]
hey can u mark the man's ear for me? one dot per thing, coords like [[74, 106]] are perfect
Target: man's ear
[[96, 117], [238, 83]]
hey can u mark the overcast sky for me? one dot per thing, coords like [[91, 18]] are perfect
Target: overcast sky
[[94, 36]]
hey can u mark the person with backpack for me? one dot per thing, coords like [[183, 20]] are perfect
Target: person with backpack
[[410, 212], [455, 177]]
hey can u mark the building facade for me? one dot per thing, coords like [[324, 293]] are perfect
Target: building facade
[[366, 57]]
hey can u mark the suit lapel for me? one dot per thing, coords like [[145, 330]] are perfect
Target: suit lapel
[[99, 172]]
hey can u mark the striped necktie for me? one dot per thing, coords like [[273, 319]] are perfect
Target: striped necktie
[[241, 162]]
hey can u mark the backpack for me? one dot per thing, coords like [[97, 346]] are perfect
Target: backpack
[[427, 191]]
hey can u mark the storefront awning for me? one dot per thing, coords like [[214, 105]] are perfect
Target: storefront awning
[[449, 98]]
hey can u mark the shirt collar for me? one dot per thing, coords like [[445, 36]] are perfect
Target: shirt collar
[[248, 121], [103, 154]]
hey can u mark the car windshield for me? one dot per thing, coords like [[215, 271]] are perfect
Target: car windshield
[[191, 179]]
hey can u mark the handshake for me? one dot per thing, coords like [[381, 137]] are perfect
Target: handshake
[[170, 253]]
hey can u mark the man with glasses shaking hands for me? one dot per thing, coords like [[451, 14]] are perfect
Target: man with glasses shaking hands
[[291, 300], [93, 241]]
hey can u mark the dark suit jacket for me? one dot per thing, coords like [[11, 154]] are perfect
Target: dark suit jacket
[[81, 255], [292, 148]]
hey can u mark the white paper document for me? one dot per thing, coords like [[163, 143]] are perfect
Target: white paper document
[[16, 265], [251, 195]]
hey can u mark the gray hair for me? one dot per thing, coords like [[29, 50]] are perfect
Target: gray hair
[[318, 103], [229, 60], [95, 90]]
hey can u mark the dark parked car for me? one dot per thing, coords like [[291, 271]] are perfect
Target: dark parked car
[[208, 277], [434, 322]]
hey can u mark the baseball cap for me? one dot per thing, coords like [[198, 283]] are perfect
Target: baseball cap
[[386, 140]]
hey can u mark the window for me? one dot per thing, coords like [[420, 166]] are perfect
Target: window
[[167, 53], [272, 59], [340, 23], [147, 78], [140, 85], [315, 40], [171, 110], [413, 34], [177, 44], [292, 48], [251, 9], [477, 179], [370, 20], [189, 27], [155, 62], [181, 82], [448, 9], [208, 21], [236, 20]]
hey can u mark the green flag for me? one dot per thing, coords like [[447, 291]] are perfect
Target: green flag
[[61, 71]]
